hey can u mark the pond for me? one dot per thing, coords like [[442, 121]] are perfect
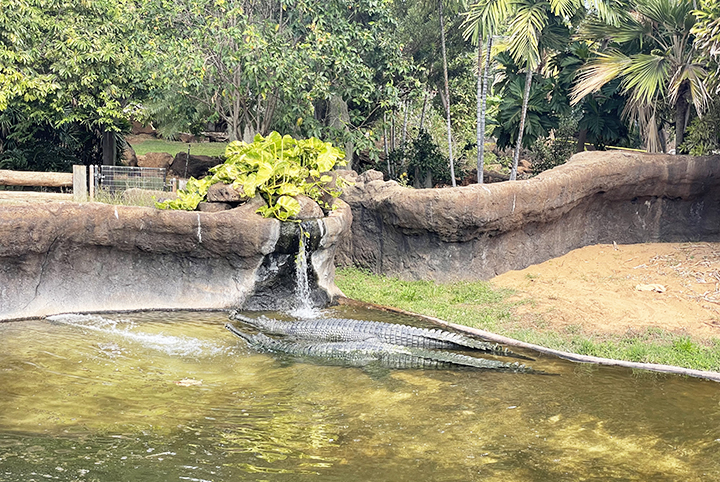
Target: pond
[[162, 396]]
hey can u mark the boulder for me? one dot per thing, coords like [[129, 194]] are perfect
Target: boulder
[[225, 193], [187, 138], [155, 159], [479, 231], [138, 128], [213, 207], [194, 166], [371, 175], [309, 209], [129, 158]]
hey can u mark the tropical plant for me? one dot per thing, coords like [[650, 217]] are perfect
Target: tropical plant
[[707, 38], [540, 114], [447, 91], [277, 168], [484, 20], [703, 134], [548, 153], [650, 48]]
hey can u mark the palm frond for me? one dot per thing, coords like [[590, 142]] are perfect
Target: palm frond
[[598, 73], [565, 8], [610, 12], [694, 75], [485, 18], [646, 118], [525, 30], [645, 77]]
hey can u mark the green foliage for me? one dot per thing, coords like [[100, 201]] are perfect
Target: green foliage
[[425, 157], [551, 152], [67, 71], [276, 167], [540, 119], [703, 135]]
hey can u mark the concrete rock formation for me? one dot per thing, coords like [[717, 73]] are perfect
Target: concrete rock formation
[[479, 231], [155, 159], [192, 166], [66, 257]]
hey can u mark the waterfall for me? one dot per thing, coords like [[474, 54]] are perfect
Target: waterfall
[[303, 301]]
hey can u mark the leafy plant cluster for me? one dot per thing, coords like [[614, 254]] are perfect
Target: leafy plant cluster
[[551, 152], [703, 137], [278, 168]]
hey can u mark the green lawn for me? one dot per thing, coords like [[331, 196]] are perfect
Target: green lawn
[[173, 147], [479, 305]]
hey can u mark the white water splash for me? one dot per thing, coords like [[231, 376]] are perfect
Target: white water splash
[[169, 344], [304, 307], [199, 231]]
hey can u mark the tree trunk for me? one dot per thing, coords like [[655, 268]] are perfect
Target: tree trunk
[[109, 149], [447, 92], [482, 102], [681, 109], [385, 141], [582, 138], [422, 114], [523, 113], [405, 123]]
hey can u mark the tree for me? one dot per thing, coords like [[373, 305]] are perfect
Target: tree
[[707, 39], [447, 92], [484, 20], [69, 71], [309, 68], [651, 50]]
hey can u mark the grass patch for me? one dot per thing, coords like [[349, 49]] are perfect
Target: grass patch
[[215, 149], [478, 305]]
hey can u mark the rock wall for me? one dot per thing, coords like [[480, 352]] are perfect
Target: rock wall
[[68, 257], [479, 231]]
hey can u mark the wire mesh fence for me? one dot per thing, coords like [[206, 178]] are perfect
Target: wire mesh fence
[[121, 178]]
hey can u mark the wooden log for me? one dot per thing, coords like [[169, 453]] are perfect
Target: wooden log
[[32, 178]]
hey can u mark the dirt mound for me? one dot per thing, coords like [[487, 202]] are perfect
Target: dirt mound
[[616, 288]]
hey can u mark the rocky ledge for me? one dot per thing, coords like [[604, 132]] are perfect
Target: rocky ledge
[[479, 231], [69, 257]]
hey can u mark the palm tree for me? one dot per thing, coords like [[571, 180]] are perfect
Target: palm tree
[[483, 21], [651, 49], [447, 91]]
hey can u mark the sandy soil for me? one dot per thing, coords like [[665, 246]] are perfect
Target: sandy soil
[[614, 289]]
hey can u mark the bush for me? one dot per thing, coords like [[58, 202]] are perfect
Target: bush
[[277, 168], [549, 152], [702, 136]]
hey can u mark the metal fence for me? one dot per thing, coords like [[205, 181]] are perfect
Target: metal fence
[[122, 178]]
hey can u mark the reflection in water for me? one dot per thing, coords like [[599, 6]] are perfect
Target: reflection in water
[[174, 396]]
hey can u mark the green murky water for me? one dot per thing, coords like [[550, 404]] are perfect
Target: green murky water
[[174, 396]]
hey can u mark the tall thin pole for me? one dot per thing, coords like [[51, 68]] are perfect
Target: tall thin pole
[[447, 93]]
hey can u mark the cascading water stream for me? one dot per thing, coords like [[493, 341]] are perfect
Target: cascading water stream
[[304, 306]]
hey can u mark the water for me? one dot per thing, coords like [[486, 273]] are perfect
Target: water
[[304, 306], [174, 396]]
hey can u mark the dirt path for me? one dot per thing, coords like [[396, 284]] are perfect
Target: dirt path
[[613, 289]]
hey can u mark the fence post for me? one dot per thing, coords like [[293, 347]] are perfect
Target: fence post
[[92, 182], [80, 191]]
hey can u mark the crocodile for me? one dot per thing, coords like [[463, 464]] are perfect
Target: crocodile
[[338, 329], [372, 353]]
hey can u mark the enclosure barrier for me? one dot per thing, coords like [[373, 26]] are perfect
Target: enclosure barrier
[[87, 180], [32, 178]]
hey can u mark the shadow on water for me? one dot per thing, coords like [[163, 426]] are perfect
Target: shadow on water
[[174, 396]]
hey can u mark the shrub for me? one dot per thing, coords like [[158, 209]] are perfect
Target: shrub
[[277, 168]]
